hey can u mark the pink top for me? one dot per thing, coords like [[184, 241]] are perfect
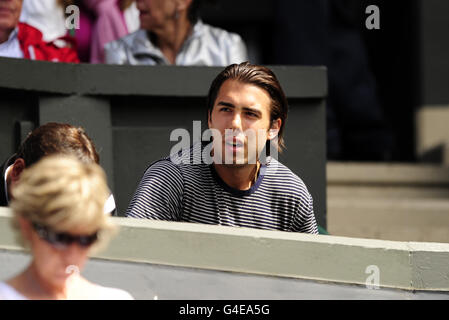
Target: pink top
[[101, 21]]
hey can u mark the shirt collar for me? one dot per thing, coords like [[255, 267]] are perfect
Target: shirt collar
[[12, 36], [237, 192], [142, 45], [198, 29], [6, 183]]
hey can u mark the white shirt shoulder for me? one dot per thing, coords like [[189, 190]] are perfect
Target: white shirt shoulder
[[9, 293], [107, 293], [11, 48]]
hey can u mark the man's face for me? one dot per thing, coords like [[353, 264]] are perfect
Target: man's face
[[154, 14], [244, 109], [9, 14]]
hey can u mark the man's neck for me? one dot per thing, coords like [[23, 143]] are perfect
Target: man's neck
[[171, 38], [238, 177], [4, 35]]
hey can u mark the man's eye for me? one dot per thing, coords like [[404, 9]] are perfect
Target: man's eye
[[251, 114], [225, 109]]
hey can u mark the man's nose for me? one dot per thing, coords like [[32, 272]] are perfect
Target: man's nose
[[236, 121]]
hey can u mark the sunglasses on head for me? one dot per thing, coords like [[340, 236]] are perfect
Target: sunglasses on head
[[63, 239]]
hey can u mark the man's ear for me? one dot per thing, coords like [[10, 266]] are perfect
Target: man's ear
[[274, 130], [17, 169], [209, 121]]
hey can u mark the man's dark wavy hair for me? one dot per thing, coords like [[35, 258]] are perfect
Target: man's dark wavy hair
[[53, 138]]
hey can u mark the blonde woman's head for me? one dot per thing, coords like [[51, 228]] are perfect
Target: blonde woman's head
[[64, 195]]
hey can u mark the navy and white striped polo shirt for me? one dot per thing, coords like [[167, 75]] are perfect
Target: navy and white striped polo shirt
[[176, 190]]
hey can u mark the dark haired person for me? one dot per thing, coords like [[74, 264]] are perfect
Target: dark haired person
[[103, 21], [252, 192], [50, 138], [172, 34]]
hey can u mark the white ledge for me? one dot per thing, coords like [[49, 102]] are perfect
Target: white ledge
[[403, 265]]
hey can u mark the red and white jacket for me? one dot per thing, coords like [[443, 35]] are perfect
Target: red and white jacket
[[35, 48]]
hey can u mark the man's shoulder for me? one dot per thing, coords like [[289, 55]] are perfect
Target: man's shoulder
[[125, 42], [279, 174], [172, 174], [220, 33], [162, 165], [188, 159]]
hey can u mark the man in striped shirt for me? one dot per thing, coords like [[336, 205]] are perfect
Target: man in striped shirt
[[236, 179]]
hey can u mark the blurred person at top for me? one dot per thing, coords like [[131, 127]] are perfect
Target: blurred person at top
[[58, 214], [46, 15], [23, 40], [103, 21], [49, 138], [100, 21], [171, 33]]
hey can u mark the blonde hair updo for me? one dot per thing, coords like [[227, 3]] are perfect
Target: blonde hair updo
[[64, 194]]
